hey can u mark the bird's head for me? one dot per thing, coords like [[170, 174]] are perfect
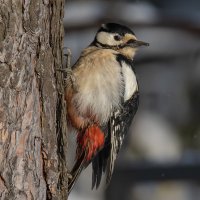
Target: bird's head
[[118, 37]]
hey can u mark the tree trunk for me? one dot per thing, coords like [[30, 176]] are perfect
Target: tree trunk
[[32, 108]]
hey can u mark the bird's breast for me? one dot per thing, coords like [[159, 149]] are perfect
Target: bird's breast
[[100, 89]]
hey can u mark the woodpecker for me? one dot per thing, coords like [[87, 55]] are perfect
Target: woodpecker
[[102, 98]]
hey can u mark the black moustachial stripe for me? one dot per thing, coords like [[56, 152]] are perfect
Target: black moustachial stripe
[[121, 58]]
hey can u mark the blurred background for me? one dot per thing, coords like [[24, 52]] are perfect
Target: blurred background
[[160, 159]]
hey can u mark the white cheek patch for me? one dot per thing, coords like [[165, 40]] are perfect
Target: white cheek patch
[[129, 80], [107, 39]]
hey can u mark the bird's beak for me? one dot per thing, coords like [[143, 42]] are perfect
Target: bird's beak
[[137, 43]]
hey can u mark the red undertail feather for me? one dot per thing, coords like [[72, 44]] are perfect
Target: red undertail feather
[[90, 141]]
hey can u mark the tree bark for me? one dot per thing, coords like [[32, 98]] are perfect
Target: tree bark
[[32, 107]]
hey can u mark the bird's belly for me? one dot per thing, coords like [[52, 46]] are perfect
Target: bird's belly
[[98, 94]]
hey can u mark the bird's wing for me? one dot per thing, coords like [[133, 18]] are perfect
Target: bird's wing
[[118, 127]]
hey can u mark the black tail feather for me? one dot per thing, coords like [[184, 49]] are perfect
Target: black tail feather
[[99, 164], [95, 171], [76, 170]]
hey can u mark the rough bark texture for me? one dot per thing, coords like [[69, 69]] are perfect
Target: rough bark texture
[[32, 114]]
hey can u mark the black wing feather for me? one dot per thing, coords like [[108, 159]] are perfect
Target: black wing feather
[[119, 124], [99, 163], [117, 128]]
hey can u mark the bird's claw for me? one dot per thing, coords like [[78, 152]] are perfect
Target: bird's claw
[[65, 70], [69, 176], [68, 51]]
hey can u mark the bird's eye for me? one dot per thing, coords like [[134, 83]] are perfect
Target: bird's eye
[[117, 37]]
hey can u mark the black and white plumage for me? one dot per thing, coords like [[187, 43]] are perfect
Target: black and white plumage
[[118, 123], [105, 100]]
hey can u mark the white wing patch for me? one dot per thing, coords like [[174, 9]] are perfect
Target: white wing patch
[[129, 80]]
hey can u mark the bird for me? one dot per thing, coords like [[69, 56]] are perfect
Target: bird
[[102, 97]]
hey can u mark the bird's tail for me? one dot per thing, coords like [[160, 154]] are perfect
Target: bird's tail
[[77, 169]]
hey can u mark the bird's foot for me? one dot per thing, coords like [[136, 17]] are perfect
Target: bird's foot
[[67, 71], [68, 54], [69, 176]]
